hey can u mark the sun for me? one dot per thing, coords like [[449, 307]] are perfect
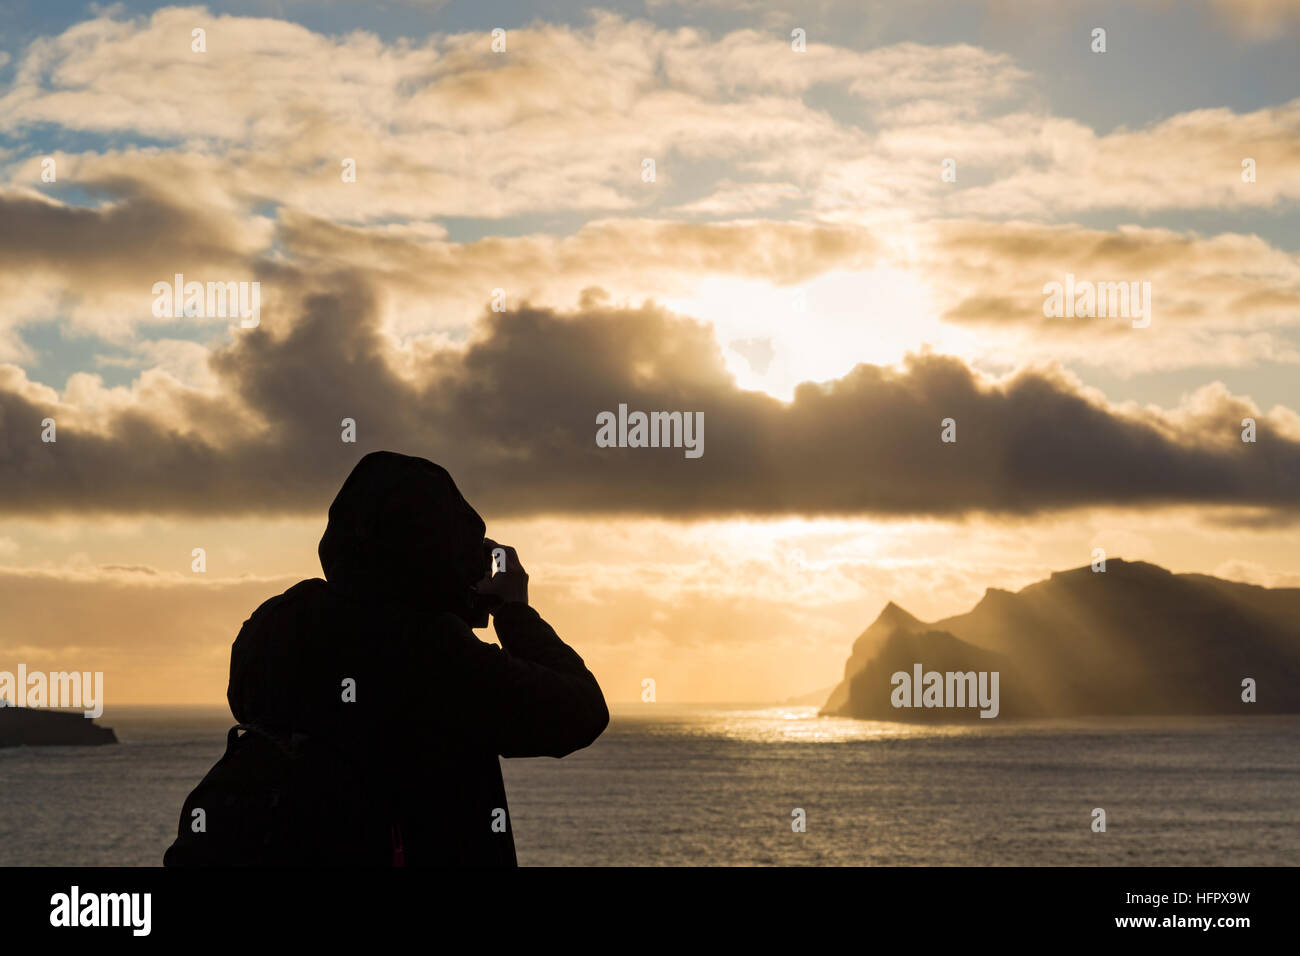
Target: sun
[[775, 337]]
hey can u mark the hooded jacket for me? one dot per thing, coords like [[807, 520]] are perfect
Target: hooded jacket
[[377, 661]]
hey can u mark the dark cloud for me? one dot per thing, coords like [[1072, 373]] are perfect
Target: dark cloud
[[130, 242], [513, 416]]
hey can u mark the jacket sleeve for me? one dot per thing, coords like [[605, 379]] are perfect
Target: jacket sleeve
[[533, 696]]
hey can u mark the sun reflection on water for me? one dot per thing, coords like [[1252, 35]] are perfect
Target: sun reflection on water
[[784, 724]]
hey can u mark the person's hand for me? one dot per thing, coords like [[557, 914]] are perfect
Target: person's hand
[[510, 584]]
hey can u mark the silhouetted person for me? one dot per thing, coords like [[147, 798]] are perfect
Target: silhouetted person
[[373, 716]]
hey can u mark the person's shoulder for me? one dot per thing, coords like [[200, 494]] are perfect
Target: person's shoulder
[[313, 594]]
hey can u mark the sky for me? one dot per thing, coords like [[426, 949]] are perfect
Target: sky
[[825, 227]]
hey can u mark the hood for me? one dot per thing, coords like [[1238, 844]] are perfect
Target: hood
[[399, 529]]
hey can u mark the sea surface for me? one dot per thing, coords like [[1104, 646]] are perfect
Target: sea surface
[[719, 785]]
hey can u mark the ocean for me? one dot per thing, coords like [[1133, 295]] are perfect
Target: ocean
[[719, 785]]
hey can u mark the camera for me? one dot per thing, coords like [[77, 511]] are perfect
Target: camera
[[481, 605]]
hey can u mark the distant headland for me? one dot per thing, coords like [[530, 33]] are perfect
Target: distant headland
[[1132, 639]]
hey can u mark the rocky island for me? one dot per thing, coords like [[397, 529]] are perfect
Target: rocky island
[[30, 727]]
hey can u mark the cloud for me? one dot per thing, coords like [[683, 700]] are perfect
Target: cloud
[[1225, 300], [94, 267], [443, 127], [1260, 19], [737, 123], [366, 305], [732, 199], [513, 415], [1051, 166]]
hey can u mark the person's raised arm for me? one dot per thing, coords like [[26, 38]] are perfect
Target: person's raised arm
[[533, 696]]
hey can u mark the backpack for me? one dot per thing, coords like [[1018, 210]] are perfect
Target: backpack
[[277, 800]]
